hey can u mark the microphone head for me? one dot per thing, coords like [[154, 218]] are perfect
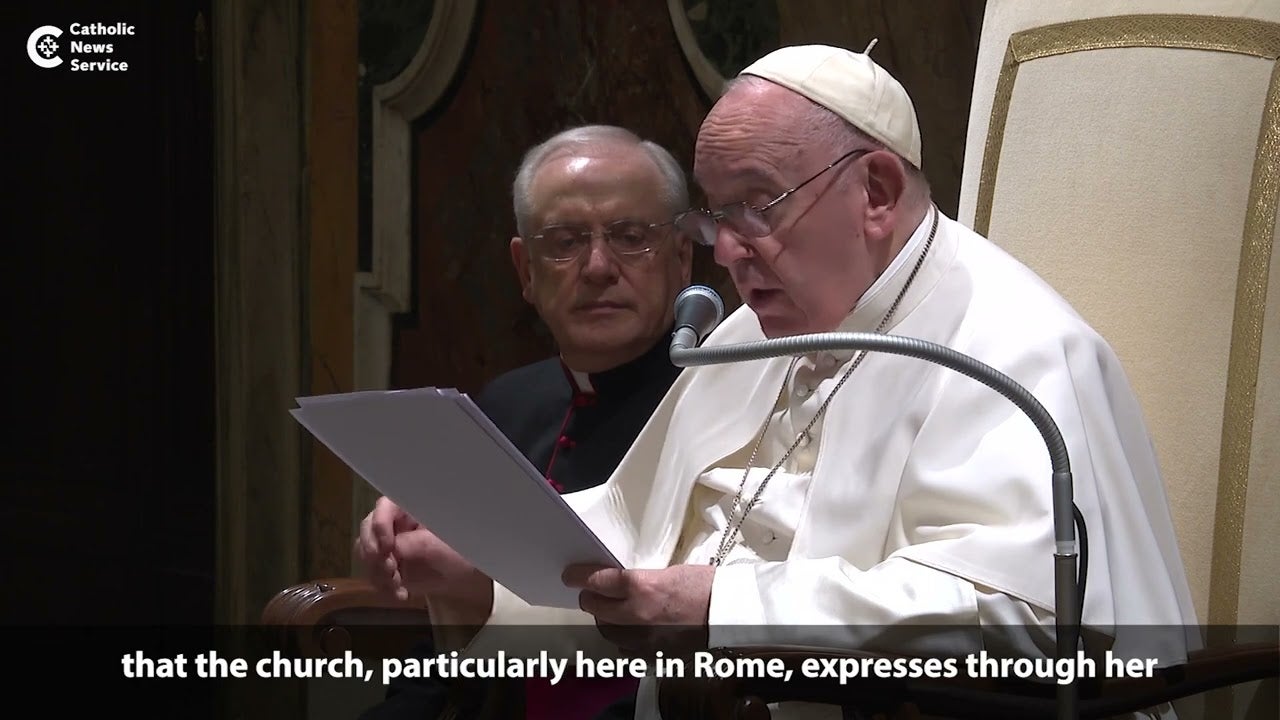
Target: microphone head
[[699, 308]]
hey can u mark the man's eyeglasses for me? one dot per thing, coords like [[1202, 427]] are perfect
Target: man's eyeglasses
[[627, 239], [742, 218]]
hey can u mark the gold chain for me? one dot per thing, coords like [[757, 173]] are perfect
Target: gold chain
[[734, 526]]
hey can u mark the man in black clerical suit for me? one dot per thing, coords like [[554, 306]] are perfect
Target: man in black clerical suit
[[576, 426], [597, 256]]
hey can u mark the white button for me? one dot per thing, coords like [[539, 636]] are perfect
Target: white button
[[769, 537], [827, 360], [802, 390], [804, 439]]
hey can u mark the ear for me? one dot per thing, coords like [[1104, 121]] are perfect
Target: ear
[[684, 251], [886, 185], [520, 259]]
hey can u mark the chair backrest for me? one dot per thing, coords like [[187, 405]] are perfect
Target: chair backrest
[[1129, 152]]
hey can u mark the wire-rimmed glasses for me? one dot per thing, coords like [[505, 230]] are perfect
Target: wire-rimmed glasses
[[626, 239], [743, 218]]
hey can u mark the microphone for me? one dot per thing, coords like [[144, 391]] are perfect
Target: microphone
[[699, 310], [1069, 578]]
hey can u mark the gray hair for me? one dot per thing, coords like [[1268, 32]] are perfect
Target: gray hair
[[676, 187], [827, 129]]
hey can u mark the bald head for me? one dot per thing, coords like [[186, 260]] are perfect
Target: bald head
[[596, 140]]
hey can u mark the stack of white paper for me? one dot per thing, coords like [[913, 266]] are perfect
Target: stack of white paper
[[437, 456]]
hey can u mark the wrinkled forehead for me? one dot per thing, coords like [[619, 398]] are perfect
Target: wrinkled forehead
[[754, 136]]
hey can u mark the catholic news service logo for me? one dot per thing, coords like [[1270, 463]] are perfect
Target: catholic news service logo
[[43, 46], [91, 47]]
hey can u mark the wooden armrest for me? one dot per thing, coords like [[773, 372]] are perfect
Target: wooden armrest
[[745, 698], [325, 618]]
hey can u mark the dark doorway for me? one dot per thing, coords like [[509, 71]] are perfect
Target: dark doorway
[[107, 447]]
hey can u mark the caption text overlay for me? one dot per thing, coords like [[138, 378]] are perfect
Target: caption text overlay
[[702, 665]]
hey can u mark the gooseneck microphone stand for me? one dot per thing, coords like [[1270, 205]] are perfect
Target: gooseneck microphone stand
[[699, 309]]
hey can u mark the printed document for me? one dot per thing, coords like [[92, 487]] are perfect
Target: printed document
[[435, 454]]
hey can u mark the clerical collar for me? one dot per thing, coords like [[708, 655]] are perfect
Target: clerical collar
[[625, 376], [580, 381]]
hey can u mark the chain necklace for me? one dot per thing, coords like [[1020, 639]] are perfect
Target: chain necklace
[[734, 526]]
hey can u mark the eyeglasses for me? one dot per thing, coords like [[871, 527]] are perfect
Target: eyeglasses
[[742, 218], [627, 239]]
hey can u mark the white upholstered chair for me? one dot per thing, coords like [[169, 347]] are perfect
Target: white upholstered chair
[[1129, 152], [1133, 160]]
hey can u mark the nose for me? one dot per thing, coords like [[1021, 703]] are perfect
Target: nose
[[600, 266], [730, 246]]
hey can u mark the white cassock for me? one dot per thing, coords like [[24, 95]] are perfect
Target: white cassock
[[921, 496]]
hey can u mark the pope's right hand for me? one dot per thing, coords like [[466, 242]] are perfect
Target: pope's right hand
[[405, 559]]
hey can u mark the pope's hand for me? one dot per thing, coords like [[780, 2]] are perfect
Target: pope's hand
[[647, 610], [405, 559], [376, 544]]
